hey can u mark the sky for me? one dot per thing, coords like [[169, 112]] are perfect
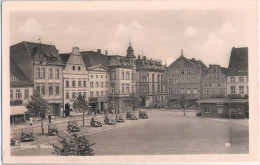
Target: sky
[[207, 35]]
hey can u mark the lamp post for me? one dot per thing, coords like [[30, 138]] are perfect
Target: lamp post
[[229, 120]]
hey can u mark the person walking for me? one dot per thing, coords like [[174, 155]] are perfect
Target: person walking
[[31, 121], [49, 117]]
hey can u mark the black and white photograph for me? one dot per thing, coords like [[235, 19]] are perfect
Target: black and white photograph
[[140, 81]]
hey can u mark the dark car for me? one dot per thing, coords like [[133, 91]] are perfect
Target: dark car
[[143, 115], [27, 135], [108, 120], [95, 122], [52, 129], [73, 126], [131, 116], [119, 118]]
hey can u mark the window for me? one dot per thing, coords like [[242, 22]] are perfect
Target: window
[[97, 84], [176, 72], [232, 79], [123, 88], [91, 76], [161, 78], [188, 80], [122, 75], [188, 71], [221, 92], [102, 94], [106, 76], [219, 84], [91, 85], [57, 90], [182, 71], [206, 92], [73, 95], [43, 73], [96, 76], [106, 93], [79, 83], [170, 81], [101, 76], [67, 95], [188, 91], [170, 90], [213, 93], [158, 78], [127, 75], [247, 91], [113, 75], [182, 80], [176, 81], [57, 74], [158, 88], [233, 90], [97, 94], [84, 83], [43, 89], [50, 90], [112, 89], [79, 68], [50, 74], [38, 88], [206, 110], [241, 79], [206, 85], [106, 84], [128, 90], [26, 94], [153, 78], [194, 90], [194, 80], [73, 84], [153, 88], [11, 93], [73, 68], [182, 91], [91, 94], [38, 73], [101, 84], [241, 89], [18, 93], [67, 83]]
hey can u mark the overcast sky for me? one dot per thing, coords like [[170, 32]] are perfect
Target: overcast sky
[[208, 35]]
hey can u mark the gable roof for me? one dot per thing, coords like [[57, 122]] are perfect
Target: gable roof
[[198, 63], [186, 62], [17, 72], [92, 58], [65, 57], [238, 61]]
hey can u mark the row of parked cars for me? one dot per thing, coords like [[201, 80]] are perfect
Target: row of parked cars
[[27, 134]]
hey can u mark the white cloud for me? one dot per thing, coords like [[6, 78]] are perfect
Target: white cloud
[[227, 30], [71, 29], [128, 30], [31, 27], [191, 32]]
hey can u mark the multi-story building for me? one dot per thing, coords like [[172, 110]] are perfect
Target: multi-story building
[[75, 77], [213, 83], [122, 80], [150, 82], [237, 75], [97, 65], [183, 79], [42, 65], [21, 89]]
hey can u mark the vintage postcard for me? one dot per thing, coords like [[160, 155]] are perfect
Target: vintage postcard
[[130, 81]]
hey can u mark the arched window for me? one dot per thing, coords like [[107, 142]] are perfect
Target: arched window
[[38, 73]]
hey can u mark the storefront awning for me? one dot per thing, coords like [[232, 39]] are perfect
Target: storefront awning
[[18, 110], [223, 101]]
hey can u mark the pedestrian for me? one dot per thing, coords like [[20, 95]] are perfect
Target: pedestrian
[[49, 117], [31, 121]]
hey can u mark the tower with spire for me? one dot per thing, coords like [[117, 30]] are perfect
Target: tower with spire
[[130, 51]]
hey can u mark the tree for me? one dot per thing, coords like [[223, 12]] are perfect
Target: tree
[[80, 105], [74, 146], [37, 107]]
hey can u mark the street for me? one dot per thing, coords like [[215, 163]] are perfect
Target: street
[[164, 133]]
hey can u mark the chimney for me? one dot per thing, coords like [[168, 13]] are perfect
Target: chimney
[[99, 51], [105, 53]]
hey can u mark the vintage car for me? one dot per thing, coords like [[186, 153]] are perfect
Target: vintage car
[[131, 116], [119, 118], [143, 115], [95, 122], [73, 126], [52, 129], [27, 134], [108, 120]]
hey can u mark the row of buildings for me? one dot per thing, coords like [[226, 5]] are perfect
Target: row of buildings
[[113, 79]]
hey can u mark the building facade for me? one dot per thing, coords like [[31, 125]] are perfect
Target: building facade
[[237, 75], [42, 65], [214, 82], [122, 80], [150, 82], [183, 79], [75, 77]]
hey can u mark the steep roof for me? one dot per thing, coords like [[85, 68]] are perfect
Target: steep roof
[[238, 63], [92, 58], [198, 63], [65, 57], [17, 72]]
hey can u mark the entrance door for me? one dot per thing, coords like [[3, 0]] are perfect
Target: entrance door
[[102, 106]]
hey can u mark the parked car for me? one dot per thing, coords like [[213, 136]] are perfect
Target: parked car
[[52, 129], [27, 134], [143, 115], [119, 118], [73, 126], [95, 122], [131, 116], [108, 120]]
